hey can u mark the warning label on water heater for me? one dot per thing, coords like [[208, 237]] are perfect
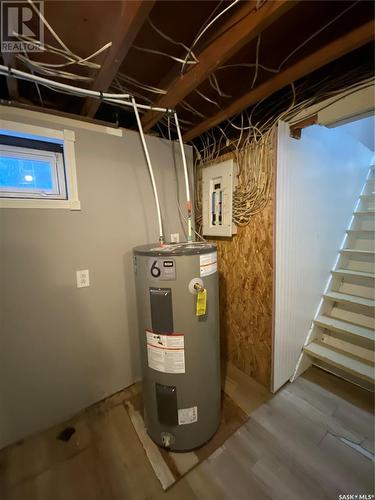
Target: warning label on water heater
[[166, 353], [188, 415], [208, 263]]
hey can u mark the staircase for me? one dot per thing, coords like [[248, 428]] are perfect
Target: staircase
[[341, 339]]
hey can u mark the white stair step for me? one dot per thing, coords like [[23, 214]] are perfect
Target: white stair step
[[358, 252], [349, 299], [364, 212], [349, 272], [337, 325], [343, 361]]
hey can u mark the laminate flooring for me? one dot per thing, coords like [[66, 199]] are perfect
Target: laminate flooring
[[312, 440]]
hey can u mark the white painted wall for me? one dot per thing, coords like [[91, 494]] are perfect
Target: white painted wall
[[63, 348], [363, 130], [319, 179]]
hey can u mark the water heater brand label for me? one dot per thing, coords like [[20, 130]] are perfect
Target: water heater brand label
[[208, 263], [162, 269], [166, 353], [188, 415]]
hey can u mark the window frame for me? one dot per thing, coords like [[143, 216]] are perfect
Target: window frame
[[64, 137], [56, 163]]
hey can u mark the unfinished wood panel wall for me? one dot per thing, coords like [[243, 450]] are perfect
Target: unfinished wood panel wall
[[246, 284], [246, 293]]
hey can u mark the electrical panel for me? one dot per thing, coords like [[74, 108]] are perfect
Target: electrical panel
[[218, 182]]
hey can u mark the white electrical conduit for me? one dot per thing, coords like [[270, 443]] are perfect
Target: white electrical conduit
[[70, 89], [139, 106], [149, 165], [187, 188], [117, 99]]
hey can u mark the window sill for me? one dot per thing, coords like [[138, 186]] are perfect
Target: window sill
[[21, 203]]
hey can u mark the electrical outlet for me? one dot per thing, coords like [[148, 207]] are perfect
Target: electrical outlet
[[83, 278], [175, 237]]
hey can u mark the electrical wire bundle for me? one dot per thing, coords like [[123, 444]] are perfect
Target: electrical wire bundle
[[254, 160], [69, 58], [253, 145]]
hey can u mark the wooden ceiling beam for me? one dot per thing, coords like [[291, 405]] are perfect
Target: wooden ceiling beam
[[242, 27], [334, 50], [133, 15]]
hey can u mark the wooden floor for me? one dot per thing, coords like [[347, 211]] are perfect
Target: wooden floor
[[313, 440]]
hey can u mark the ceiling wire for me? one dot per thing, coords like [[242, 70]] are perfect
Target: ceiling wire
[[170, 39], [164, 54], [118, 86], [253, 150], [256, 61], [37, 86], [317, 33], [199, 36], [207, 98], [184, 104], [215, 85], [50, 69], [142, 86], [257, 65]]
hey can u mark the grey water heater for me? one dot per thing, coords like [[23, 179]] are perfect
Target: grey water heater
[[178, 312]]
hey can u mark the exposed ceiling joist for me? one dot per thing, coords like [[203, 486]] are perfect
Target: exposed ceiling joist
[[9, 60], [133, 15], [338, 48], [243, 27]]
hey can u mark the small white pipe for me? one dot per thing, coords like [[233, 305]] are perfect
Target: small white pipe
[[115, 98], [186, 175], [140, 106], [4, 70], [145, 149]]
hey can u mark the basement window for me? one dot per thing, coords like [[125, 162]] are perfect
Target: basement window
[[37, 171]]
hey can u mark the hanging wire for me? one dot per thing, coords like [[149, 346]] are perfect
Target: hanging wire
[[254, 144]]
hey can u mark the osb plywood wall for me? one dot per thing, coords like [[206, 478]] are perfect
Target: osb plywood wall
[[246, 281], [246, 294]]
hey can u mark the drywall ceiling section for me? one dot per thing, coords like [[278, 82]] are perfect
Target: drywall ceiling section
[[362, 130]]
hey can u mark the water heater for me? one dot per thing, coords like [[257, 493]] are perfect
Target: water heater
[[178, 312]]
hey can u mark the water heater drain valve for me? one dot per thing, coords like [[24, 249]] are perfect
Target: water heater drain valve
[[167, 439]]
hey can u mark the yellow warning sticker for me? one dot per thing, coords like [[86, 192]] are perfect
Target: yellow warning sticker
[[201, 302]]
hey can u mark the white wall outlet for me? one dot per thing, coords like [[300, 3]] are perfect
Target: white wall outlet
[[83, 278], [175, 237]]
